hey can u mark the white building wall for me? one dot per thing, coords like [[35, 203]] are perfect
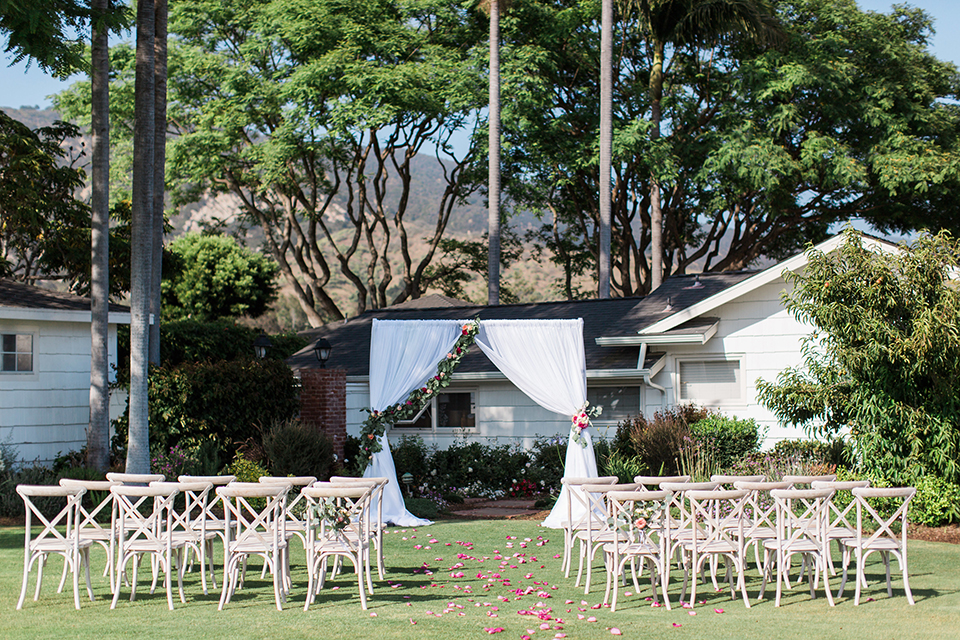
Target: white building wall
[[756, 330], [46, 412], [505, 415]]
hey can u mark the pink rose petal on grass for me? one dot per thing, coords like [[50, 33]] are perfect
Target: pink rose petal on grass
[[677, 625], [412, 621], [693, 613], [718, 610], [616, 632], [591, 619]]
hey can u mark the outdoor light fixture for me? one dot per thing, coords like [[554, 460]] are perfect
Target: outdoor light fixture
[[261, 344], [323, 349]]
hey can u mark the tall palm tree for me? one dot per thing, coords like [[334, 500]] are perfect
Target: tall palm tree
[[141, 252], [696, 23], [606, 145], [98, 430], [159, 174], [493, 9]]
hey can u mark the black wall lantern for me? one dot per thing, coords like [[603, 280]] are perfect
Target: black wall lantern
[[323, 349], [261, 344]]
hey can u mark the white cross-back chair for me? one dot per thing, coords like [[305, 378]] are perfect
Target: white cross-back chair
[[94, 525], [577, 514], [760, 515], [716, 522], [189, 526], [375, 517], [597, 530], [803, 516], [806, 481], [656, 481], [212, 521], [644, 517], [884, 539], [338, 528], [135, 478], [144, 527], [294, 509], [50, 540], [730, 481], [252, 529], [842, 522]]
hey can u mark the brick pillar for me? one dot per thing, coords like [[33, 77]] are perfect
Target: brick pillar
[[323, 403]]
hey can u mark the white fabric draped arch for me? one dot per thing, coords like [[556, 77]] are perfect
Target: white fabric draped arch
[[403, 355], [545, 360]]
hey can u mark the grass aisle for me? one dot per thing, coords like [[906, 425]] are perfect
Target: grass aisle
[[466, 579]]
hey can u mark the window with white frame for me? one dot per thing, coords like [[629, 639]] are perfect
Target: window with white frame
[[710, 380], [17, 352], [618, 402], [447, 410]]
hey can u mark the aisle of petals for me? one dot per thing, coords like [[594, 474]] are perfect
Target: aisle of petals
[[499, 584]]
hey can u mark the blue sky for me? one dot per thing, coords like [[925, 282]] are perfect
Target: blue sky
[[22, 86]]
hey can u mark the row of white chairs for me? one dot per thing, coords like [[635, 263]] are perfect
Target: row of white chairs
[[655, 520], [172, 521]]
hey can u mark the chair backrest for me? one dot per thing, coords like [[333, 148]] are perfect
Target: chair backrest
[[334, 511], [66, 519], [192, 518], [136, 521], [641, 513], [760, 512], [263, 526], [802, 514], [89, 517], [884, 524], [840, 514], [730, 481], [136, 478], [578, 509], [716, 517], [656, 481], [809, 480], [217, 481], [294, 504]]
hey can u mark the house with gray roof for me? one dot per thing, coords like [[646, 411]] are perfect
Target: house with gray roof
[[45, 369], [702, 339]]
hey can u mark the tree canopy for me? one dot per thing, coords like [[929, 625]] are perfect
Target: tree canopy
[[763, 148], [39, 213], [884, 359], [211, 277]]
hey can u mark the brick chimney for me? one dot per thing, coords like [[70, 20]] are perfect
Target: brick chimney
[[323, 403]]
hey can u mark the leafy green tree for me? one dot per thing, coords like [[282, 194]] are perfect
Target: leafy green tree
[[310, 113], [884, 359], [39, 213], [43, 31], [761, 149], [212, 277]]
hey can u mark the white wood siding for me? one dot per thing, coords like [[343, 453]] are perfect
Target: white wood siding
[[46, 412], [756, 330]]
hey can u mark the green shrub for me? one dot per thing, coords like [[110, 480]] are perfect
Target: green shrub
[[296, 449], [620, 465], [222, 401], [11, 504], [421, 507], [936, 503], [658, 442], [729, 439], [836, 451], [247, 471]]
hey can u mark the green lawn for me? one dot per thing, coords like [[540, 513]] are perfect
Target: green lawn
[[414, 604]]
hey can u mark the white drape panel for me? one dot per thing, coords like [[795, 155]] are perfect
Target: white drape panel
[[403, 355], [545, 360]]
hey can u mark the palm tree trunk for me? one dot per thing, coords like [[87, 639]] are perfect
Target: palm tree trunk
[[656, 215], [493, 187], [98, 430], [606, 145], [159, 174], [141, 251]]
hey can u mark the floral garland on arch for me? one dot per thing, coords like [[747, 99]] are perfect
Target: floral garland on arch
[[376, 424], [581, 420]]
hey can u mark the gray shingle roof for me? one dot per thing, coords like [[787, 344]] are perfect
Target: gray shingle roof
[[610, 317], [23, 296]]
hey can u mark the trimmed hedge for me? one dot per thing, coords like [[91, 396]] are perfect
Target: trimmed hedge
[[729, 439]]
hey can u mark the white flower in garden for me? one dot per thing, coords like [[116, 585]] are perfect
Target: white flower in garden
[[434, 472]]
